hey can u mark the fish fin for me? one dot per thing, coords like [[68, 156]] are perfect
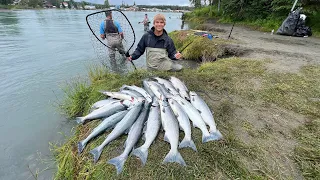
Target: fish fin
[[182, 103], [118, 162], [80, 120], [144, 127], [81, 146], [165, 138], [163, 110], [142, 154], [125, 144], [144, 137], [174, 157], [199, 111], [194, 125], [216, 134], [208, 138], [188, 143], [96, 152]]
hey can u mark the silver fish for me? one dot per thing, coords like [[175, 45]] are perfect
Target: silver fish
[[132, 139], [118, 130], [146, 87], [171, 127], [152, 129], [180, 86], [195, 117], [103, 126], [132, 93], [118, 95], [168, 85], [184, 124], [101, 103], [156, 89], [205, 113], [139, 90], [105, 111]]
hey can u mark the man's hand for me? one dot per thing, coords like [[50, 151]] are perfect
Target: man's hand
[[129, 58], [178, 55], [102, 36]]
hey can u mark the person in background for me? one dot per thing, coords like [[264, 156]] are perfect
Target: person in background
[[112, 32], [160, 50], [146, 23]]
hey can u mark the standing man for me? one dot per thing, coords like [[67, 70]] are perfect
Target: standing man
[[159, 46], [111, 30], [146, 23]]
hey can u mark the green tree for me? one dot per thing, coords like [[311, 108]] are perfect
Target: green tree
[[6, 2], [106, 3], [196, 3], [34, 3]]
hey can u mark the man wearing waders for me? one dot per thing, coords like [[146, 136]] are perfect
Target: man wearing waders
[[146, 23], [111, 30], [159, 46]]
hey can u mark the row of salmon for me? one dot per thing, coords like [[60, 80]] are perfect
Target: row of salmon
[[136, 111]]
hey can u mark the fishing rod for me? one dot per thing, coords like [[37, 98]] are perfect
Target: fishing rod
[[234, 22]]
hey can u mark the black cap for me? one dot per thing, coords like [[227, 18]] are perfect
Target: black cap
[[146, 14], [108, 13]]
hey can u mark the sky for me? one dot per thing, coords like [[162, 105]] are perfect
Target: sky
[[143, 2]]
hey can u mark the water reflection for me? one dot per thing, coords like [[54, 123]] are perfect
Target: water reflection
[[9, 23]]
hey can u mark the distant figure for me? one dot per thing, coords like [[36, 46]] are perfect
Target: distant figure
[[182, 16], [146, 23], [159, 48], [182, 25], [111, 30]]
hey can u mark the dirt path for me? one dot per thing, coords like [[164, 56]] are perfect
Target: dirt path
[[288, 53]]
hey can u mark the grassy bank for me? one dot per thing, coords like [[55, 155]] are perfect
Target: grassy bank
[[270, 123], [201, 15], [200, 48]]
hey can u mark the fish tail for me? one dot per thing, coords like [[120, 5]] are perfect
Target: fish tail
[[174, 156], [141, 153], [81, 146], [209, 137], [188, 143], [217, 134], [96, 152], [80, 120], [118, 162]]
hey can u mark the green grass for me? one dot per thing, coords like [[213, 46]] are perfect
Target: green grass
[[201, 48], [230, 86]]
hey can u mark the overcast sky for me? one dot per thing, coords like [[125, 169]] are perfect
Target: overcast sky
[[143, 2]]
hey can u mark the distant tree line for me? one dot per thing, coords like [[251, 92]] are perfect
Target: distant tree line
[[257, 9]]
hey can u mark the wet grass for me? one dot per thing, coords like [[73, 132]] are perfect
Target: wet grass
[[221, 84]]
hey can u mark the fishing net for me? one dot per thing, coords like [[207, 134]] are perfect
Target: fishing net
[[101, 47]]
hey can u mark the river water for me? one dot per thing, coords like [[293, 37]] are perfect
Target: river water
[[41, 50]]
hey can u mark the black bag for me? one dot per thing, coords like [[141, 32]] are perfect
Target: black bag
[[293, 25]]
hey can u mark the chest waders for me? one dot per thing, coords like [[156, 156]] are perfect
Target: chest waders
[[114, 40], [157, 59]]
